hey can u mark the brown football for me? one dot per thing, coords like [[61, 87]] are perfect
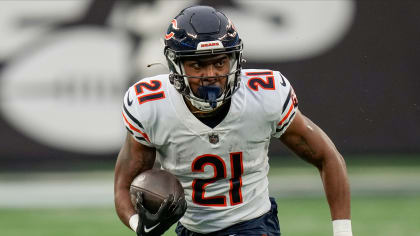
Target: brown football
[[156, 185]]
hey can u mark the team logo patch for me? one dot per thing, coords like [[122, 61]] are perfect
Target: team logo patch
[[213, 138], [209, 45], [171, 34], [129, 102]]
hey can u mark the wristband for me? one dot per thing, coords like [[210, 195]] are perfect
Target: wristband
[[134, 222], [342, 227]]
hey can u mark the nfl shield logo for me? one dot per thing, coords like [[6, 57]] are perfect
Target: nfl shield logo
[[213, 138]]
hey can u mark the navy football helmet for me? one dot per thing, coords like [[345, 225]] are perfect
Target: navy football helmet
[[203, 31]]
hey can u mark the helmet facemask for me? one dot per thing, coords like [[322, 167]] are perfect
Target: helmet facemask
[[206, 98]]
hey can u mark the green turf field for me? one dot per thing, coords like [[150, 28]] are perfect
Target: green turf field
[[384, 216], [385, 201]]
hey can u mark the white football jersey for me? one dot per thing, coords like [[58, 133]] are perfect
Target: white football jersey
[[223, 169]]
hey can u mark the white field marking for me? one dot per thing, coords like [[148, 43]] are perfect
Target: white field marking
[[96, 189]]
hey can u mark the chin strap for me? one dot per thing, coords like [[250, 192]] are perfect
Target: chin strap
[[209, 93]]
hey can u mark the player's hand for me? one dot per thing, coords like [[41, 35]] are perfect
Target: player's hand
[[156, 224]]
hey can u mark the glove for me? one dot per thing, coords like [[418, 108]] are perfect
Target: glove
[[156, 224]]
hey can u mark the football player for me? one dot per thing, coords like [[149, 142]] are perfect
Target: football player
[[209, 122]]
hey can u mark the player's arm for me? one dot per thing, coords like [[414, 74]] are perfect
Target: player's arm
[[133, 159], [310, 143]]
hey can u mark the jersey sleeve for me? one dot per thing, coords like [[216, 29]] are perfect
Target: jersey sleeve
[[131, 119], [289, 107]]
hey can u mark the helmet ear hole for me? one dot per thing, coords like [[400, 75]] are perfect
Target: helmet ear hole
[[177, 81], [179, 84]]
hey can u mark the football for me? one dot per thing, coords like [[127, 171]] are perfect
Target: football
[[156, 185]]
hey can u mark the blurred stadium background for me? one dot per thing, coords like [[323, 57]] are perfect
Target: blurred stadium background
[[64, 66]]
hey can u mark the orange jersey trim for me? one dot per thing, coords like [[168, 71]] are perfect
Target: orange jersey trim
[[135, 129], [287, 115]]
